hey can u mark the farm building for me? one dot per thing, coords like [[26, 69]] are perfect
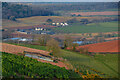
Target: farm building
[[17, 39], [37, 30], [60, 24]]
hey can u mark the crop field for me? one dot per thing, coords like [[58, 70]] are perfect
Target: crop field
[[42, 19], [0, 63], [15, 49], [97, 13], [38, 20], [110, 46], [95, 65], [89, 28], [14, 66], [76, 11]]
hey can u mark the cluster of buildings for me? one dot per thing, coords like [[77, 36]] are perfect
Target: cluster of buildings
[[17, 39], [40, 29], [60, 24], [37, 30]]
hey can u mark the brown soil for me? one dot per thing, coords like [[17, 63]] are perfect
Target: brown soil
[[97, 13], [110, 46]]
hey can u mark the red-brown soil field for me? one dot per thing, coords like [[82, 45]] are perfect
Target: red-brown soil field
[[110, 46], [14, 49], [97, 13]]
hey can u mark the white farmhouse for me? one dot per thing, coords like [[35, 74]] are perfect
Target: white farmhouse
[[38, 29], [66, 24], [53, 23], [61, 23], [57, 24]]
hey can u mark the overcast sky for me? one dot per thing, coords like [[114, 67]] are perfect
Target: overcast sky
[[59, 0]]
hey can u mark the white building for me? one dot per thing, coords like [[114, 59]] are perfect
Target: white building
[[61, 23], [53, 23], [66, 24], [57, 24], [38, 29]]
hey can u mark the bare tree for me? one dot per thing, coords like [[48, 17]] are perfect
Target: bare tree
[[68, 41], [42, 40], [74, 46], [53, 46]]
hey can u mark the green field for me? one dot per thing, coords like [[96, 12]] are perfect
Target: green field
[[14, 66], [89, 28], [104, 65], [0, 64], [31, 46], [84, 62]]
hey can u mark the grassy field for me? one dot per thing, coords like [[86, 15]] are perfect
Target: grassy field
[[89, 28], [8, 23], [93, 64], [104, 65], [0, 63], [31, 46]]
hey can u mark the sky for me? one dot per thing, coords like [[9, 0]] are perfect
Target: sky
[[59, 0]]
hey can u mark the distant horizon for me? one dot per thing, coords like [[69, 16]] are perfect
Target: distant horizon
[[60, 0]]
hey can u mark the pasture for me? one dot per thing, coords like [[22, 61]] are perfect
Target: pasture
[[8, 24], [30, 46], [108, 68], [89, 28]]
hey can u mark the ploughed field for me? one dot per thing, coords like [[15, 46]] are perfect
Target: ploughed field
[[9, 48], [110, 46], [96, 13]]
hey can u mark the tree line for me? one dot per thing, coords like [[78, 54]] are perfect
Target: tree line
[[12, 11], [96, 6]]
